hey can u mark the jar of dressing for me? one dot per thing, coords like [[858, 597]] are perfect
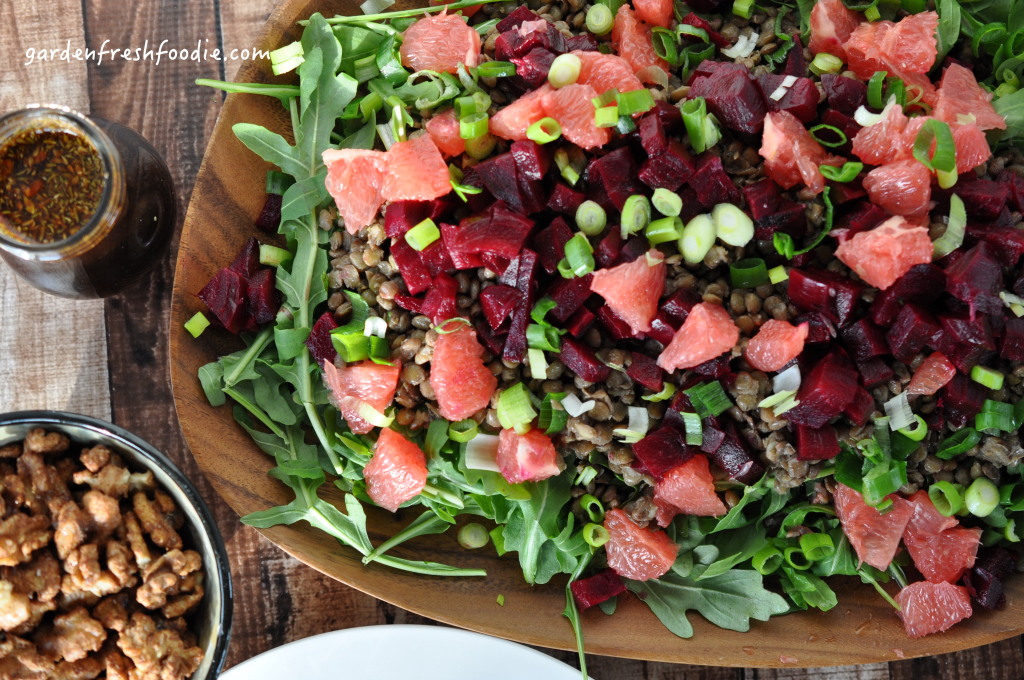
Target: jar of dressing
[[87, 206]]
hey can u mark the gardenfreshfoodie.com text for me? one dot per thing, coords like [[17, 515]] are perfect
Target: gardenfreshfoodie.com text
[[149, 51]]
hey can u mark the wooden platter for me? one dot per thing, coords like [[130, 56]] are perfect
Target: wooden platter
[[227, 197]]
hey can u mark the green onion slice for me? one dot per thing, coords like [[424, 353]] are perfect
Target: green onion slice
[[663, 230], [636, 215], [538, 363], [496, 69], [474, 125], [947, 498], [635, 101], [606, 116], [197, 324], [553, 418], [668, 203], [463, 430], [956, 228], [918, 431], [593, 507], [709, 399], [847, 173], [579, 257], [667, 392], [839, 139], [599, 19], [958, 443], [937, 132], [515, 408], [544, 131], [595, 535], [876, 84], [591, 218], [693, 427], [988, 377], [422, 235], [817, 547], [748, 273]]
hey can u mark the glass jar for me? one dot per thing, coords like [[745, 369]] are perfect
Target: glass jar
[[87, 206]]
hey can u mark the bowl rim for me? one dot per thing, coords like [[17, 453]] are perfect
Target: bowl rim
[[170, 468]]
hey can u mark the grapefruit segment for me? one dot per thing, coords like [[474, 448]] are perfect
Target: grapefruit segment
[[873, 535], [890, 139], [972, 147], [444, 130], [926, 519], [707, 332], [832, 22], [690, 489], [461, 382], [572, 107], [416, 171], [654, 12], [887, 252], [635, 552], [606, 71], [927, 608], [529, 457], [775, 344], [902, 187], [631, 39], [943, 556], [512, 121], [932, 375], [791, 155], [904, 49], [361, 383], [397, 471], [440, 42], [355, 178], [632, 289], [961, 99]]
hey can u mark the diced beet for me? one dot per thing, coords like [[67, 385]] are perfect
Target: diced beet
[[612, 177], [247, 261], [913, 328], [864, 340], [717, 368], [645, 371], [440, 302], [1007, 244], [864, 216], [517, 18], [733, 97], [668, 168], [736, 460], [319, 341], [498, 302], [823, 291], [1013, 340], [532, 159], [410, 303], [1015, 188], [569, 295], [824, 392], [263, 298], [819, 443], [550, 244], [564, 200], [772, 211], [800, 99], [663, 328], [652, 134], [976, 279], [819, 328], [608, 248], [670, 116], [923, 283], [712, 437], [496, 263], [614, 325], [961, 399], [225, 296], [584, 42], [501, 177], [634, 248], [985, 579], [410, 265], [861, 408], [532, 68], [845, 95], [692, 19], [983, 198], [515, 43], [526, 267], [498, 230], [270, 215], [401, 216], [965, 341], [679, 304], [580, 322], [874, 372], [841, 193], [582, 361], [593, 590], [436, 258], [795, 64], [661, 450], [844, 123], [490, 339], [762, 197], [712, 184]]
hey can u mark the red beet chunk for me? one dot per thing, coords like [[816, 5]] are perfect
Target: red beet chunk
[[924, 283], [401, 216], [671, 117], [679, 304], [961, 399], [269, 218], [824, 393], [985, 579], [580, 322], [634, 248], [595, 589], [762, 197], [795, 64], [847, 125], [694, 20], [532, 68], [609, 248], [1015, 188], [717, 368], [864, 216], [913, 328], [550, 244], [525, 267], [736, 460], [502, 178], [645, 371], [823, 291], [247, 261], [662, 450], [816, 443], [490, 339], [319, 341], [1007, 244], [498, 231], [772, 211], [861, 408], [440, 303], [584, 42], [984, 198], [582, 361], [874, 372], [652, 134], [498, 302], [614, 325], [225, 296], [966, 342], [263, 298], [864, 340], [415, 274], [801, 99], [511, 44], [733, 96], [663, 328], [532, 160], [564, 200], [612, 177], [841, 193], [517, 18], [569, 295], [436, 258], [712, 437], [844, 94], [712, 184], [667, 168], [819, 328], [1013, 340], [976, 279]]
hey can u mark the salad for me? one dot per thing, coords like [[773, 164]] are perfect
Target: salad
[[705, 302]]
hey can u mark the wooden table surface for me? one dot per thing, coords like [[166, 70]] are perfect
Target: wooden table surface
[[109, 358]]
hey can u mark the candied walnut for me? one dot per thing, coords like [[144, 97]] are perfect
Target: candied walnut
[[112, 611], [72, 529], [20, 660], [20, 536], [158, 654], [10, 450], [95, 458], [121, 563], [193, 591], [167, 577], [39, 579], [86, 577], [41, 441], [84, 669], [103, 511], [118, 666], [115, 480], [19, 493], [45, 480], [14, 607], [156, 518], [137, 542], [71, 636]]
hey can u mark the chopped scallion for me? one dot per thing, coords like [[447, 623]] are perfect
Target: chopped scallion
[[836, 138], [876, 86], [750, 272], [668, 390], [496, 69], [947, 498], [463, 431], [958, 443], [709, 399], [273, 256], [599, 19], [422, 235], [988, 377], [825, 63], [351, 346], [474, 125], [917, 432], [663, 230], [693, 427], [938, 133], [473, 536], [591, 218], [982, 497], [697, 238], [743, 8], [538, 363], [593, 507], [635, 101], [515, 408], [817, 546], [636, 214], [480, 147], [847, 173], [544, 131], [695, 118], [778, 274], [668, 203], [564, 70], [606, 116], [732, 225], [595, 535], [197, 324], [579, 257], [553, 417]]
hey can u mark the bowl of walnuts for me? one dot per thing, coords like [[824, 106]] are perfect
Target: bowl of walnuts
[[111, 565]]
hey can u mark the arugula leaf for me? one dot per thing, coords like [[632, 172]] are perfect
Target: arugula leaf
[[1011, 107], [536, 520], [949, 26]]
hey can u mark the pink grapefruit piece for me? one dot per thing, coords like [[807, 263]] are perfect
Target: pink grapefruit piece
[[832, 22], [529, 457], [927, 608], [654, 12], [775, 344], [512, 121], [887, 252], [972, 147], [962, 100], [925, 518], [461, 382], [355, 178], [635, 552], [572, 107], [632, 289], [359, 384], [890, 139], [440, 42], [632, 41], [904, 48], [791, 155], [443, 128], [690, 489], [874, 536], [707, 332], [606, 71], [397, 472], [902, 187], [932, 374], [416, 171]]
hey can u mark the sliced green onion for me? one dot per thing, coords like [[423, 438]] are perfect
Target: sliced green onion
[[995, 417], [474, 125], [473, 536], [958, 443], [767, 560], [480, 147], [595, 535], [776, 399], [944, 158], [422, 235], [467, 106], [709, 399], [953, 237], [702, 135], [544, 131], [898, 411], [541, 309], [287, 58], [790, 402], [636, 214], [463, 431], [374, 325], [688, 31], [593, 507], [668, 203], [197, 324], [591, 218], [732, 225], [273, 256], [373, 416], [841, 136], [876, 84], [847, 173], [564, 70], [586, 476], [538, 363], [748, 273], [606, 98], [635, 101], [946, 497], [666, 44], [599, 19], [918, 431], [567, 167], [1011, 496], [884, 479], [817, 547], [778, 274], [579, 257], [496, 69], [666, 393], [625, 125], [693, 427], [351, 346], [824, 62], [481, 453], [743, 8], [982, 497], [988, 377], [379, 350], [606, 116], [365, 69], [1014, 302], [896, 88], [553, 418], [663, 230], [515, 408], [697, 238], [796, 558]]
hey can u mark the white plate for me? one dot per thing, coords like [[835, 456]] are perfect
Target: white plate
[[402, 652]]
